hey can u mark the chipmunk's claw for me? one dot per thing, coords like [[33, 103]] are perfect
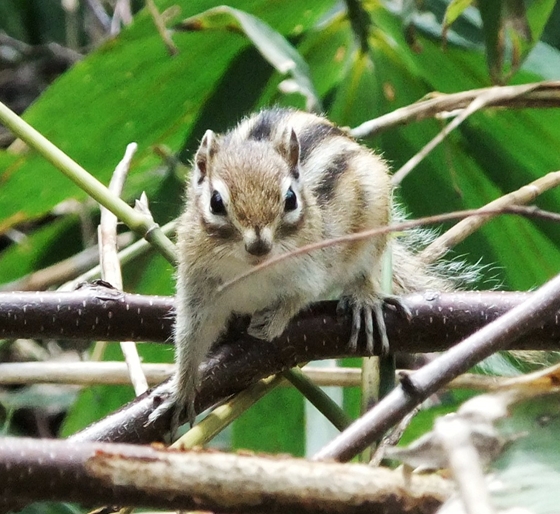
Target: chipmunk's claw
[[371, 312]]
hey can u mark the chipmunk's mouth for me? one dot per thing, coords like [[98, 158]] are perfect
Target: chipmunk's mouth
[[254, 260]]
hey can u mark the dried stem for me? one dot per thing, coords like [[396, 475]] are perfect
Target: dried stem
[[486, 97], [396, 227], [111, 268], [543, 94], [464, 228]]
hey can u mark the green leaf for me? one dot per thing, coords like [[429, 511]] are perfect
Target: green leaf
[[272, 45], [454, 10], [273, 425], [492, 24], [130, 89]]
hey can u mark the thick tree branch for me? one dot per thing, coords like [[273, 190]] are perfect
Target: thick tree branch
[[438, 322], [99, 312], [38, 470]]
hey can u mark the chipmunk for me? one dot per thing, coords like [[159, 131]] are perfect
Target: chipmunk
[[280, 180]]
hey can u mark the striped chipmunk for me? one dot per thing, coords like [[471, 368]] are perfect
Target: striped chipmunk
[[279, 180]]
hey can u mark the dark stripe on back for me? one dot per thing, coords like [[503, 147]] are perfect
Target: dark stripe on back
[[314, 135], [265, 124], [326, 188]]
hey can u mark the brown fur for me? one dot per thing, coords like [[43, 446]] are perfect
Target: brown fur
[[240, 200]]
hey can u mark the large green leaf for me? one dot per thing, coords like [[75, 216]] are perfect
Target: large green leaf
[[273, 47], [130, 89]]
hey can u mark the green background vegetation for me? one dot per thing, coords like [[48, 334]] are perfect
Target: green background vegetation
[[130, 89]]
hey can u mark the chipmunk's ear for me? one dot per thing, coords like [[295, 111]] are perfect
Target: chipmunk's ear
[[203, 158], [289, 148]]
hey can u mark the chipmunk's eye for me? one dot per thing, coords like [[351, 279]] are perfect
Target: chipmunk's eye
[[217, 204], [290, 202]]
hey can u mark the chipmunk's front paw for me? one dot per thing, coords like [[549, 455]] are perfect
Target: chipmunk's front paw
[[370, 310], [267, 324]]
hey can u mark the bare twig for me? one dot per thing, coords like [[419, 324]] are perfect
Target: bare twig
[[495, 336], [116, 373], [111, 270], [464, 461], [122, 13], [464, 228], [64, 270], [126, 255], [485, 98], [161, 28], [98, 11], [396, 227], [394, 436], [544, 94], [78, 373], [223, 415]]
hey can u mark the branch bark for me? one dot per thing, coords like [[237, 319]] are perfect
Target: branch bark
[[38, 470], [438, 322], [100, 312]]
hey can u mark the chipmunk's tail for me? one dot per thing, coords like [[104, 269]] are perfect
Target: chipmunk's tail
[[411, 273]]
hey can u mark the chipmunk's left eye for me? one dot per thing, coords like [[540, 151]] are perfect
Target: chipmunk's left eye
[[290, 201], [217, 204]]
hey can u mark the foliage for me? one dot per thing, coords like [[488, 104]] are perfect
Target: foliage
[[131, 89]]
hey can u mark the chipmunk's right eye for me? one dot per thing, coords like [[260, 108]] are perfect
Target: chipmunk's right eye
[[217, 204]]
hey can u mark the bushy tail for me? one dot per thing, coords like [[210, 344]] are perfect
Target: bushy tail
[[412, 274]]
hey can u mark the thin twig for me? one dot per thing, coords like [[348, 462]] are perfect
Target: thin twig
[[64, 270], [161, 28], [544, 94], [485, 98], [126, 255], [98, 11], [464, 228], [223, 415], [455, 435], [111, 268], [396, 227], [121, 13], [116, 373]]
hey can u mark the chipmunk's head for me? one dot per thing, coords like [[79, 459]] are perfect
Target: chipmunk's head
[[249, 193]]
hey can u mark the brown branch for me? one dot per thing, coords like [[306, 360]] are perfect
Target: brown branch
[[100, 312], [38, 470], [438, 322], [96, 311]]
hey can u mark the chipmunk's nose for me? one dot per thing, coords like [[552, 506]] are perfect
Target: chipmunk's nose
[[258, 241]]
